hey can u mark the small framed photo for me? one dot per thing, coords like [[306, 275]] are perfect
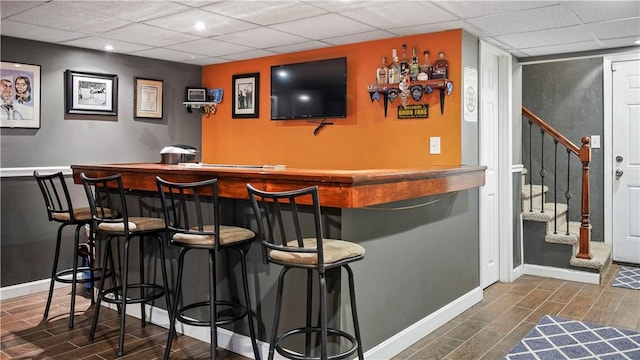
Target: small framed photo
[[20, 97], [91, 93], [148, 98], [196, 94], [246, 95]]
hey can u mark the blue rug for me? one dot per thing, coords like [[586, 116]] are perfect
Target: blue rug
[[555, 338], [627, 277]]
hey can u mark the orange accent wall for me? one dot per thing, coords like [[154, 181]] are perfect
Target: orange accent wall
[[364, 139]]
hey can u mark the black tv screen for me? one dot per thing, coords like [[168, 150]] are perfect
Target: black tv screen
[[309, 90]]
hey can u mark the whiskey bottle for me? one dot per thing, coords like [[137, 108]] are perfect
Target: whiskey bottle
[[440, 67], [414, 68], [394, 69], [426, 68], [404, 61], [382, 76]]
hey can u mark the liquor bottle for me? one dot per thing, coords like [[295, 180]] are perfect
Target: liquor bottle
[[440, 67], [394, 69], [382, 76], [404, 61], [414, 68], [426, 68]]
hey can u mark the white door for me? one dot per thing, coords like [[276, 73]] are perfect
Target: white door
[[489, 157], [626, 161]]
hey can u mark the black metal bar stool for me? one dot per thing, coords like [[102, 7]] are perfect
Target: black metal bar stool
[[192, 215], [292, 236], [108, 193], [60, 209]]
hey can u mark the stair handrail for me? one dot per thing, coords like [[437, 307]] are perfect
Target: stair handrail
[[584, 155]]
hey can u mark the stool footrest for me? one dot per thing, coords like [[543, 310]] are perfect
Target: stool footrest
[[304, 330], [96, 277], [233, 313], [155, 292]]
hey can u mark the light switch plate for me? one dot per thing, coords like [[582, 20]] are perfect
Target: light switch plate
[[434, 145], [595, 141]]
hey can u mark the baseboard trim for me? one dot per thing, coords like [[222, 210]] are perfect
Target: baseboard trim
[[32, 287], [561, 274], [241, 344], [402, 340]]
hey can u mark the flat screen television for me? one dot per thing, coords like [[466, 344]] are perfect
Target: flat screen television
[[309, 90]]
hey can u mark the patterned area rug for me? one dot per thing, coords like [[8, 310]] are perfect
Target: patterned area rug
[[556, 338], [627, 277]]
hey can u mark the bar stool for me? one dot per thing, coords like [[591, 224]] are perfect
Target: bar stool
[[192, 216], [294, 239], [60, 209], [108, 193]]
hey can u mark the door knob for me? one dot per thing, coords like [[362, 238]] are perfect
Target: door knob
[[619, 158], [619, 172]]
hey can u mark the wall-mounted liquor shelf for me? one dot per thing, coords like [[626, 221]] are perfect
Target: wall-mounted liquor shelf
[[445, 86], [209, 106]]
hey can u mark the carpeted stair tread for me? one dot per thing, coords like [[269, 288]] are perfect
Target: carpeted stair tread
[[546, 216], [529, 192], [600, 256]]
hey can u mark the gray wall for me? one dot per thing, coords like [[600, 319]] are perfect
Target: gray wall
[[28, 238], [567, 94]]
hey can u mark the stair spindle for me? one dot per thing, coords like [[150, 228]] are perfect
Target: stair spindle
[[542, 169], [531, 166], [567, 193], [555, 186]]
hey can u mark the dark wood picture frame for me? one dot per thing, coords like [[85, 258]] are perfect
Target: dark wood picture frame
[[148, 98], [91, 93], [20, 97], [246, 95]]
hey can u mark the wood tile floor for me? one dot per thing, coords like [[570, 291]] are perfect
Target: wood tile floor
[[486, 331]]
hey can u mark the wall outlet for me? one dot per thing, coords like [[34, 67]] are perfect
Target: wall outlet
[[595, 141], [434, 145]]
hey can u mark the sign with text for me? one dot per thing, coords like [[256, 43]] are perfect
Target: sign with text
[[420, 111]]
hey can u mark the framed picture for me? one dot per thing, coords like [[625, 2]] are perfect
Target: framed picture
[[20, 97], [196, 94], [246, 95], [148, 98], [91, 93]]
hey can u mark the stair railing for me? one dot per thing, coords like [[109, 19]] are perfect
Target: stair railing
[[584, 156]]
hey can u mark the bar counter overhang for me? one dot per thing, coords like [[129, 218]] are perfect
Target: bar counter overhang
[[338, 188], [420, 229]]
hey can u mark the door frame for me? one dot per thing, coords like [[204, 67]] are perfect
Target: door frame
[[505, 159], [607, 73]]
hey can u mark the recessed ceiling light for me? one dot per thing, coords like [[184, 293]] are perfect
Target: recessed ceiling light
[[199, 25], [108, 47], [637, 42]]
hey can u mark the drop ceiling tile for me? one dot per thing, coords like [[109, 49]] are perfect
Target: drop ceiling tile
[[471, 9], [148, 35], [265, 12], [207, 61], [340, 6], [616, 29], [8, 8], [551, 37], [215, 24], [622, 42], [261, 38], [57, 16], [323, 26], [167, 54], [210, 47], [527, 20], [356, 38], [428, 28], [595, 11], [309, 45], [253, 54], [563, 48], [98, 43], [389, 15], [128, 10], [38, 33]]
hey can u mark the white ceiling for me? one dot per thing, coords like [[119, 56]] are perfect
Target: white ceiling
[[238, 30]]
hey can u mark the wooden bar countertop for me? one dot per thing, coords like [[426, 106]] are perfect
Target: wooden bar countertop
[[338, 188]]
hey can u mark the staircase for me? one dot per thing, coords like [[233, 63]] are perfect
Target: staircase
[[549, 238]]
